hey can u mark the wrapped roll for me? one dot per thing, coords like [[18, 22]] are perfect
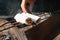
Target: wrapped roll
[[35, 19], [23, 19]]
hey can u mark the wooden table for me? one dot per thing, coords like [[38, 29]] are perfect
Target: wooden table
[[15, 32]]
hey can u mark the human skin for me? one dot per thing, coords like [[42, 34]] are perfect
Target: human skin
[[23, 5]]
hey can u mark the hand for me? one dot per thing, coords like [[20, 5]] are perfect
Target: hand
[[23, 5]]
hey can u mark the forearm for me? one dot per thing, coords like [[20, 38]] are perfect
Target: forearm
[[23, 6], [31, 5]]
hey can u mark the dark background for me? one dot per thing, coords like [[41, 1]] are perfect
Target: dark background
[[8, 7]]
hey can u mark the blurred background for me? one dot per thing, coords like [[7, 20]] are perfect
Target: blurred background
[[10, 7], [47, 30]]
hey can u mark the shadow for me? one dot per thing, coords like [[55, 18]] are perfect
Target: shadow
[[47, 30]]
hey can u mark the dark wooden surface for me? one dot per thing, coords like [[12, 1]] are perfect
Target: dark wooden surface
[[47, 30]]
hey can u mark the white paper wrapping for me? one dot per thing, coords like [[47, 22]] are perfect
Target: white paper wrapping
[[21, 18], [33, 17]]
